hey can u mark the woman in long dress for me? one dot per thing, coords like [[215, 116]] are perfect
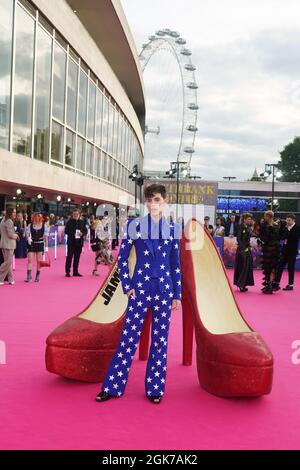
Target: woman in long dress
[[243, 270]]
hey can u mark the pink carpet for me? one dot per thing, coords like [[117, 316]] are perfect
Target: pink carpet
[[42, 411]]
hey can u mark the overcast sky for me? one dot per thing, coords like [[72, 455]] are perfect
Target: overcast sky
[[247, 55]]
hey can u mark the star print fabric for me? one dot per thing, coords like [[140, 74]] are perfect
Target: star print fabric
[[155, 379]]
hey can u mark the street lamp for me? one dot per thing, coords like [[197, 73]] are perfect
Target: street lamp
[[58, 200], [229, 178], [175, 169], [270, 170], [138, 178]]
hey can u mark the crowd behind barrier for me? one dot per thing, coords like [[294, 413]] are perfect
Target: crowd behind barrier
[[227, 247]]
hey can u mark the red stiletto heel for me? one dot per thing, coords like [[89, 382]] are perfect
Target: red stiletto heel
[[82, 347], [232, 359]]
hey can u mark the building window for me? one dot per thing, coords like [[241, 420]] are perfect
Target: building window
[[6, 20], [91, 115], [97, 171], [82, 103], [90, 159], [80, 155], [72, 93], [59, 80], [23, 82], [70, 149], [42, 96], [57, 142], [99, 118], [105, 124]]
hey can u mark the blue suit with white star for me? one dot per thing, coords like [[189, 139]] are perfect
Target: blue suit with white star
[[157, 281]]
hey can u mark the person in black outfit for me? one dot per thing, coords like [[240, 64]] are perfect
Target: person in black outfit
[[291, 235], [115, 229], [231, 226], [270, 237], [75, 230], [243, 270]]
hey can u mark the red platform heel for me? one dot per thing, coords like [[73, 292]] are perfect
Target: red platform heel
[[82, 347], [232, 359]]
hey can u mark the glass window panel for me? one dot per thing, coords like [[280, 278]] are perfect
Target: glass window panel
[[120, 139], [98, 162], [57, 142], [82, 103], [70, 149], [92, 105], [109, 168], [116, 129], [42, 97], [6, 19], [23, 82], [105, 124], [99, 118], [72, 93], [59, 79], [89, 158], [80, 160], [111, 129]]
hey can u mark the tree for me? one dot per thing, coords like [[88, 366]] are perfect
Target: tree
[[290, 161]]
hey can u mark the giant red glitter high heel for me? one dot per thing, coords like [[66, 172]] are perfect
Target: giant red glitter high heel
[[82, 347], [232, 359]]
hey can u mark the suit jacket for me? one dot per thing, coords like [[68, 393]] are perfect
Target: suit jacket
[[70, 230], [8, 235], [292, 240], [235, 228], [166, 257]]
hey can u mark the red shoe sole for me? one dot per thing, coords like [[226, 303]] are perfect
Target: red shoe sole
[[232, 381], [78, 364]]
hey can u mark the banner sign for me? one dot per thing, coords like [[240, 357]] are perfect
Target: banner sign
[[189, 191]]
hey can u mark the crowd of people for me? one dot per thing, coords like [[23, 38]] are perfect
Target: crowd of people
[[279, 240], [25, 237]]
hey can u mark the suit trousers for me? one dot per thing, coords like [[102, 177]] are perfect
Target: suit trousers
[[118, 370], [73, 251], [6, 266], [286, 259]]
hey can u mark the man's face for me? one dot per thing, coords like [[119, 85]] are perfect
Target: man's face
[[206, 221], [289, 221], [248, 221], [155, 204], [76, 215], [232, 218], [14, 214]]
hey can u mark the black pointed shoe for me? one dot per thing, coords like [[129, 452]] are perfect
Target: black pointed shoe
[[288, 287], [103, 396], [155, 400]]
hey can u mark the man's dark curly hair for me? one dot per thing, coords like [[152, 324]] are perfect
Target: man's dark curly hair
[[155, 188]]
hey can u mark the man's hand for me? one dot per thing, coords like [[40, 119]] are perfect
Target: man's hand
[[175, 304], [131, 293]]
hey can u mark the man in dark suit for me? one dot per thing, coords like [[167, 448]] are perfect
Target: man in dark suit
[[75, 230], [289, 252], [231, 226]]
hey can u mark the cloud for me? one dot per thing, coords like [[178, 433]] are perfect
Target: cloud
[[248, 73]]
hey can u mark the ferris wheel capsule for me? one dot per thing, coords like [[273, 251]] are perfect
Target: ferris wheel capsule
[[190, 67], [180, 41], [192, 128], [188, 150], [192, 85], [193, 106], [185, 51]]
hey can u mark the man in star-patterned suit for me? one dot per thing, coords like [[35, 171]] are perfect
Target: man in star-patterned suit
[[155, 284]]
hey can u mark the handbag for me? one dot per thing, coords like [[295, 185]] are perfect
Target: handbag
[[46, 263]]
